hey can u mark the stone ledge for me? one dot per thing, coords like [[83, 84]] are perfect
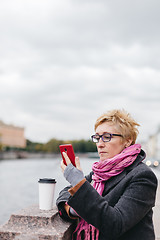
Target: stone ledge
[[33, 217], [34, 224]]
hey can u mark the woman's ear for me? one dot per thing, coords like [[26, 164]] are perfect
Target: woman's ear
[[128, 143]]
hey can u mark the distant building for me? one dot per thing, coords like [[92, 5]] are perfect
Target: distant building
[[152, 146], [12, 136], [158, 144]]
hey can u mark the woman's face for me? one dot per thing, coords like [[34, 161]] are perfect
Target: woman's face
[[115, 146]]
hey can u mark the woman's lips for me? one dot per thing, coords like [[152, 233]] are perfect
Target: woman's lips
[[102, 152]]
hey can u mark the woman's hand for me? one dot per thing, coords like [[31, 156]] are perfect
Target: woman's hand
[[77, 162], [72, 174]]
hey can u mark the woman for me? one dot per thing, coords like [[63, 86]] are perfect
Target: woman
[[115, 200]]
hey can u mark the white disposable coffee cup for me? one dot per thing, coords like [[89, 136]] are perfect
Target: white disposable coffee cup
[[46, 193]]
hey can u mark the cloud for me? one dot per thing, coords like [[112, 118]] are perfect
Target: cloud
[[63, 63]]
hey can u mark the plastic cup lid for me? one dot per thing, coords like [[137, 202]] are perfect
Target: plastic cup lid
[[47, 180]]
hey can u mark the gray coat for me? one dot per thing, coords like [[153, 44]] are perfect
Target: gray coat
[[124, 211]]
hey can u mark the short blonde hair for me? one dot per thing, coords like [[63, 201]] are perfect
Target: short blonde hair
[[123, 122]]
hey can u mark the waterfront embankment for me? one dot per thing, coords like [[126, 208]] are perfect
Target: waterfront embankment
[[32, 155], [25, 155]]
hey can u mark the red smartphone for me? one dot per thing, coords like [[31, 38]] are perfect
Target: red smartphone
[[68, 148]]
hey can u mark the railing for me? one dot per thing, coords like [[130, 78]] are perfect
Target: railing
[[34, 224]]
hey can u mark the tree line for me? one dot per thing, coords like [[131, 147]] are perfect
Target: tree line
[[52, 146]]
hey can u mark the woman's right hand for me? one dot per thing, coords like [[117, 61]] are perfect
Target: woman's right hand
[[72, 174], [77, 162]]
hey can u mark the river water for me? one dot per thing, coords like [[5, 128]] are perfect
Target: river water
[[19, 181]]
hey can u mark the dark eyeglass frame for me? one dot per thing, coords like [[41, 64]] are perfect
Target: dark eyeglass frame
[[110, 135]]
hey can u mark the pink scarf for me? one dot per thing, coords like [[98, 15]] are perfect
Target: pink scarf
[[104, 170]]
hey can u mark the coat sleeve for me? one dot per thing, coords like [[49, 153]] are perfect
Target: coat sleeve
[[64, 196], [60, 202], [136, 201]]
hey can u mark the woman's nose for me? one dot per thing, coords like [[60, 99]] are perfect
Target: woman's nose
[[100, 143]]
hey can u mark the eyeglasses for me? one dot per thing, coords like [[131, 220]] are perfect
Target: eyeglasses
[[106, 137]]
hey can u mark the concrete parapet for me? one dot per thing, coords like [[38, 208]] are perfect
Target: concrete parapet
[[34, 224]]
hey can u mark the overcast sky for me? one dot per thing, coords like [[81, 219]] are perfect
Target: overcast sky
[[63, 63]]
